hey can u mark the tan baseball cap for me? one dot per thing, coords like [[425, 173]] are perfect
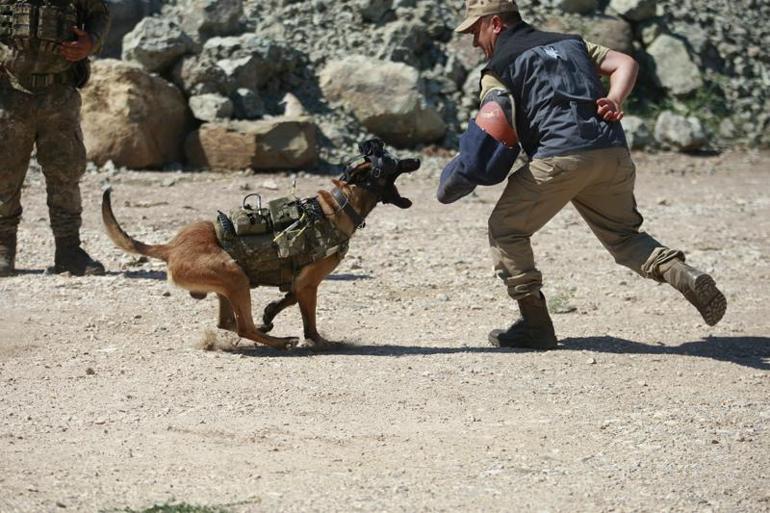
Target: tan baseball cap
[[475, 9]]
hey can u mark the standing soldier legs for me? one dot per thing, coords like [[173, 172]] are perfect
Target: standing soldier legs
[[49, 121], [18, 134], [62, 156]]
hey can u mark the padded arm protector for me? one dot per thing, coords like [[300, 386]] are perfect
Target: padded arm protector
[[483, 160]]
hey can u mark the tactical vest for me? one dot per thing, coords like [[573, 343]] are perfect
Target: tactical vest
[[555, 86], [48, 21], [272, 244]]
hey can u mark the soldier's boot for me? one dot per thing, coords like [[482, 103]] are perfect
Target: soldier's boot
[[533, 330], [70, 257], [697, 287], [7, 255]]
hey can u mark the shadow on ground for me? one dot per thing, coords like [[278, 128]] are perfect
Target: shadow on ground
[[747, 351]]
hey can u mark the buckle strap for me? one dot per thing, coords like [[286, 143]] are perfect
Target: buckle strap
[[346, 207], [35, 81]]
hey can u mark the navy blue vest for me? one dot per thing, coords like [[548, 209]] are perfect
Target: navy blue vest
[[555, 86]]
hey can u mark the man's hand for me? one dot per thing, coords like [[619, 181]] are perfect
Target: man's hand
[[608, 109], [75, 51]]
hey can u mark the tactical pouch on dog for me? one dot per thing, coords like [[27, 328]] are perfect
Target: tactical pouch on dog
[[272, 244], [250, 220]]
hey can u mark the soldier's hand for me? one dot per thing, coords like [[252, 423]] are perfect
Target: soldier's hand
[[608, 109], [77, 50]]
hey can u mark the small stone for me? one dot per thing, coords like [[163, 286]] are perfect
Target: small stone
[[591, 361], [270, 185], [90, 371]]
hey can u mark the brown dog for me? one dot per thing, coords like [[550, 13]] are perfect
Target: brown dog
[[198, 262]]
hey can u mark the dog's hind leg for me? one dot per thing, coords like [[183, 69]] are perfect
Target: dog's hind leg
[[274, 309], [239, 295], [226, 315]]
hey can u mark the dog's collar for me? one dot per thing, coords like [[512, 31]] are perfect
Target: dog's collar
[[344, 205]]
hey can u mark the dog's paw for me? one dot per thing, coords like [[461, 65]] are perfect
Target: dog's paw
[[265, 328]]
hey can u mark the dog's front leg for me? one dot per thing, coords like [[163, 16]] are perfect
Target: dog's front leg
[[308, 300], [274, 309]]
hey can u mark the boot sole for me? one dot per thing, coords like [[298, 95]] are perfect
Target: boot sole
[[709, 300]]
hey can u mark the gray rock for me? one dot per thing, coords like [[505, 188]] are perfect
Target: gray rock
[[647, 31], [404, 41], [680, 132], [573, 6], [200, 75], [124, 15], [248, 104], [634, 10], [373, 10], [156, 43], [638, 135], [211, 107], [610, 31], [202, 19], [385, 97], [674, 68]]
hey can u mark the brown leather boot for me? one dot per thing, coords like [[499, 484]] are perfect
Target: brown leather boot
[[70, 257], [7, 255], [697, 287], [534, 330]]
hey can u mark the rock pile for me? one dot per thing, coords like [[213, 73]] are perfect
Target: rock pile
[[395, 69]]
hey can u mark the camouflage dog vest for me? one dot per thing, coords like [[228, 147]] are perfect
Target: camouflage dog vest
[[272, 244]]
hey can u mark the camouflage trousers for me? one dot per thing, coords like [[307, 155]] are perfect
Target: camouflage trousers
[[600, 184], [50, 122]]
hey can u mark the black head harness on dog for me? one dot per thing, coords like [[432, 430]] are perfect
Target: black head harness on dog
[[380, 176]]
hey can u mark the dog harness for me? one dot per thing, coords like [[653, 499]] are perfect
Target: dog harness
[[272, 244]]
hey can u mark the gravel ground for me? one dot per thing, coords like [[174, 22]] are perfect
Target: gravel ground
[[107, 400]]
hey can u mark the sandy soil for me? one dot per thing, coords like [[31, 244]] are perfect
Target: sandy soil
[[107, 400]]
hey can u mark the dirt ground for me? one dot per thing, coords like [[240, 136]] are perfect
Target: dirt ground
[[107, 400]]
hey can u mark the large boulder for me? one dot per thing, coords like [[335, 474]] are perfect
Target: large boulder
[[202, 19], [228, 63], [680, 132], [156, 43], [610, 31], [385, 97], [135, 119], [276, 143], [674, 69]]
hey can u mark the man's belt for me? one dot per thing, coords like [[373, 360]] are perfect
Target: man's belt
[[37, 81]]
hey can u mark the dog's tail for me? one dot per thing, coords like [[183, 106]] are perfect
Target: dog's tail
[[122, 239]]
